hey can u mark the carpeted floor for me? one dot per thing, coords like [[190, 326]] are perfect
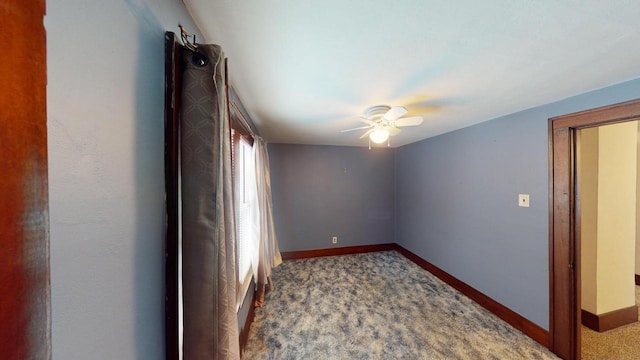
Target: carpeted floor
[[376, 306], [622, 343]]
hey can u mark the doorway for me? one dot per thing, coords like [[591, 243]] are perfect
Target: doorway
[[606, 201], [564, 262]]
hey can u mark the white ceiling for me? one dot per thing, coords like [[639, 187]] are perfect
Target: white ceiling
[[307, 69]]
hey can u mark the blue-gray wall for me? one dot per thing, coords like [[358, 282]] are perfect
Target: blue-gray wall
[[456, 201], [324, 191], [105, 110]]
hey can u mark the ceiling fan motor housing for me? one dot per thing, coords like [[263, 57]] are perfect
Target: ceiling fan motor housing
[[376, 112]]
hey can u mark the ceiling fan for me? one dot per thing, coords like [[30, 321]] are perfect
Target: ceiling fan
[[384, 121]]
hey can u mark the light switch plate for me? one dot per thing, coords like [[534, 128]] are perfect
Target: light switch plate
[[523, 200]]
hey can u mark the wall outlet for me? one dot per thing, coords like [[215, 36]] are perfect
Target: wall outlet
[[523, 200], [334, 240]]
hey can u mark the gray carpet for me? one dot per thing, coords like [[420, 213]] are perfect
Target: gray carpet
[[376, 306]]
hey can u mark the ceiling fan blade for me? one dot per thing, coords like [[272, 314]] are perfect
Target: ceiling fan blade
[[365, 120], [409, 121], [358, 128], [366, 133], [394, 113], [393, 131]]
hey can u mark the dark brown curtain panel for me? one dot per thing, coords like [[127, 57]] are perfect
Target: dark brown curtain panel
[[208, 236]]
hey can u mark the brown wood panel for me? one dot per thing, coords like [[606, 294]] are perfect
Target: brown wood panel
[[551, 233], [563, 319], [171, 135], [303, 254], [530, 329], [575, 246], [637, 279], [611, 114], [244, 333], [610, 320], [24, 205], [590, 320]]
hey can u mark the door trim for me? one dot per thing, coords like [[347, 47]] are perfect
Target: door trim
[[564, 264], [25, 290]]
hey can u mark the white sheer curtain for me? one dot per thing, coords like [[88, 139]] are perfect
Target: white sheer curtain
[[268, 254]]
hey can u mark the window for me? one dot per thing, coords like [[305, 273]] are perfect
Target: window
[[246, 208]]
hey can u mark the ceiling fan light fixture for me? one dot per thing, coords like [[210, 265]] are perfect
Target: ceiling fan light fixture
[[379, 136], [384, 121]]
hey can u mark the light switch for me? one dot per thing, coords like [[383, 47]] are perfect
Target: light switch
[[523, 200]]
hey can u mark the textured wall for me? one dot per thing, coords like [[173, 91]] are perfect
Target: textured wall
[[325, 191], [616, 237], [105, 100], [587, 167], [456, 197]]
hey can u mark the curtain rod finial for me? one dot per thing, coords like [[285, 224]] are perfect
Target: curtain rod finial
[[184, 34]]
